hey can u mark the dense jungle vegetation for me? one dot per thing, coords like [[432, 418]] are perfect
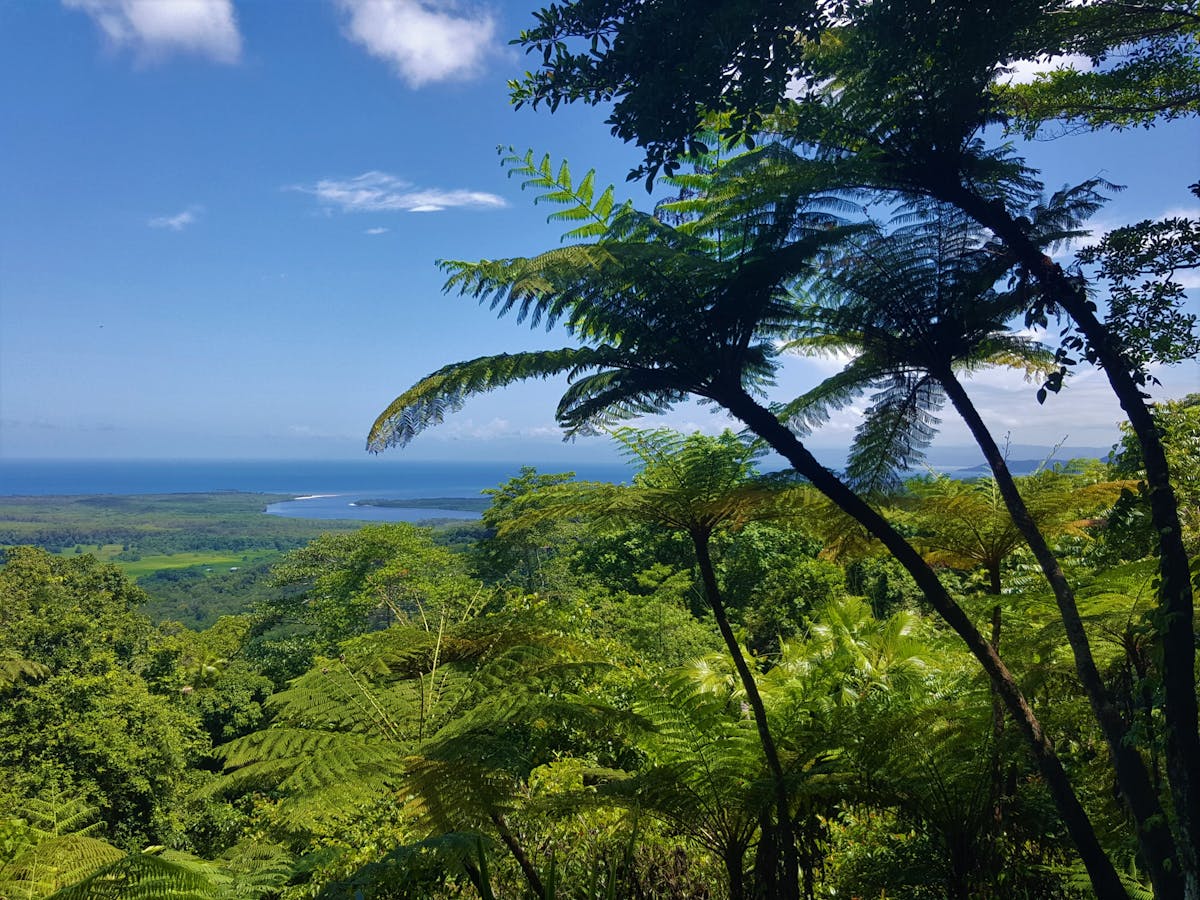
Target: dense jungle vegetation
[[558, 710], [710, 682]]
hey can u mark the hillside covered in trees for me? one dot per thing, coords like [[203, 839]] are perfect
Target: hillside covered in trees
[[611, 693]]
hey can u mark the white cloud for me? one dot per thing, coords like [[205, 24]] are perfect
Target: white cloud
[[422, 42], [375, 231], [381, 192], [156, 28], [1026, 71], [177, 222]]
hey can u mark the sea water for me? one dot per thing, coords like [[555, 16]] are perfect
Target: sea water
[[321, 489]]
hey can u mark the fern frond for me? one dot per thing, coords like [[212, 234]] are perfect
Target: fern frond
[[898, 427], [446, 390], [152, 875], [579, 200], [295, 760], [54, 862]]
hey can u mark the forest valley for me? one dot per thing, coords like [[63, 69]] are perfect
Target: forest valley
[[712, 682]]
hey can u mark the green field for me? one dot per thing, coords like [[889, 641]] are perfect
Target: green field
[[215, 561]]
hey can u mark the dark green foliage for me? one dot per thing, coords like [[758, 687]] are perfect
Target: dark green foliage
[[663, 62], [1129, 532], [198, 596], [1142, 264], [81, 719], [522, 553], [341, 585]]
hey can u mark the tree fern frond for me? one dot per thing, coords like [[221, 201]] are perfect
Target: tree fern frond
[[296, 760], [446, 390], [558, 188], [14, 669], [255, 869], [897, 428], [54, 862], [813, 409], [151, 875]]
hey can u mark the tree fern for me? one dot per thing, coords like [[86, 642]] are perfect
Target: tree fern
[[557, 187], [155, 874], [58, 843], [14, 669]]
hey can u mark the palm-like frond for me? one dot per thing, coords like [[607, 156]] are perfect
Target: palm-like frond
[[896, 430], [579, 200], [153, 875], [848, 653], [53, 862], [55, 843], [914, 306], [661, 311], [14, 669], [430, 399], [300, 760], [706, 774]]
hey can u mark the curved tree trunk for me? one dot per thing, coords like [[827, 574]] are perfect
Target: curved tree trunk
[[1154, 834], [762, 422], [790, 886], [518, 852], [1176, 622]]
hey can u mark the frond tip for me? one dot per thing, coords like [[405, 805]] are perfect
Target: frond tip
[[445, 391]]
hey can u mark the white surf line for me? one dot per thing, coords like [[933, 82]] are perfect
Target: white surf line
[[315, 496]]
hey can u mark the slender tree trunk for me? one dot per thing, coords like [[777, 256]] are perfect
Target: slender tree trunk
[[762, 422], [790, 886], [766, 859], [997, 732], [734, 871], [1154, 834], [1176, 622], [993, 571], [518, 852]]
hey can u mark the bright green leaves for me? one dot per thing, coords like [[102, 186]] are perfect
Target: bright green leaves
[[579, 201]]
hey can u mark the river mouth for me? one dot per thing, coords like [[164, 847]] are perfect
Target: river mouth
[[374, 507]]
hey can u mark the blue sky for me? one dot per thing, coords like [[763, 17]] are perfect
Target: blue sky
[[221, 220]]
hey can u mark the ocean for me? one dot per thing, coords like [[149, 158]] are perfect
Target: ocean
[[323, 489]]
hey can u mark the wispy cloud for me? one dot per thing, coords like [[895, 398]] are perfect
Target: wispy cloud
[[421, 40], [381, 192], [375, 231], [177, 222], [153, 29]]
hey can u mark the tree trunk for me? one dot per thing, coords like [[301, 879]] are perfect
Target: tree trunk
[[993, 572], [1175, 622], [762, 422], [1154, 834], [790, 886], [518, 852], [997, 761], [734, 871]]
